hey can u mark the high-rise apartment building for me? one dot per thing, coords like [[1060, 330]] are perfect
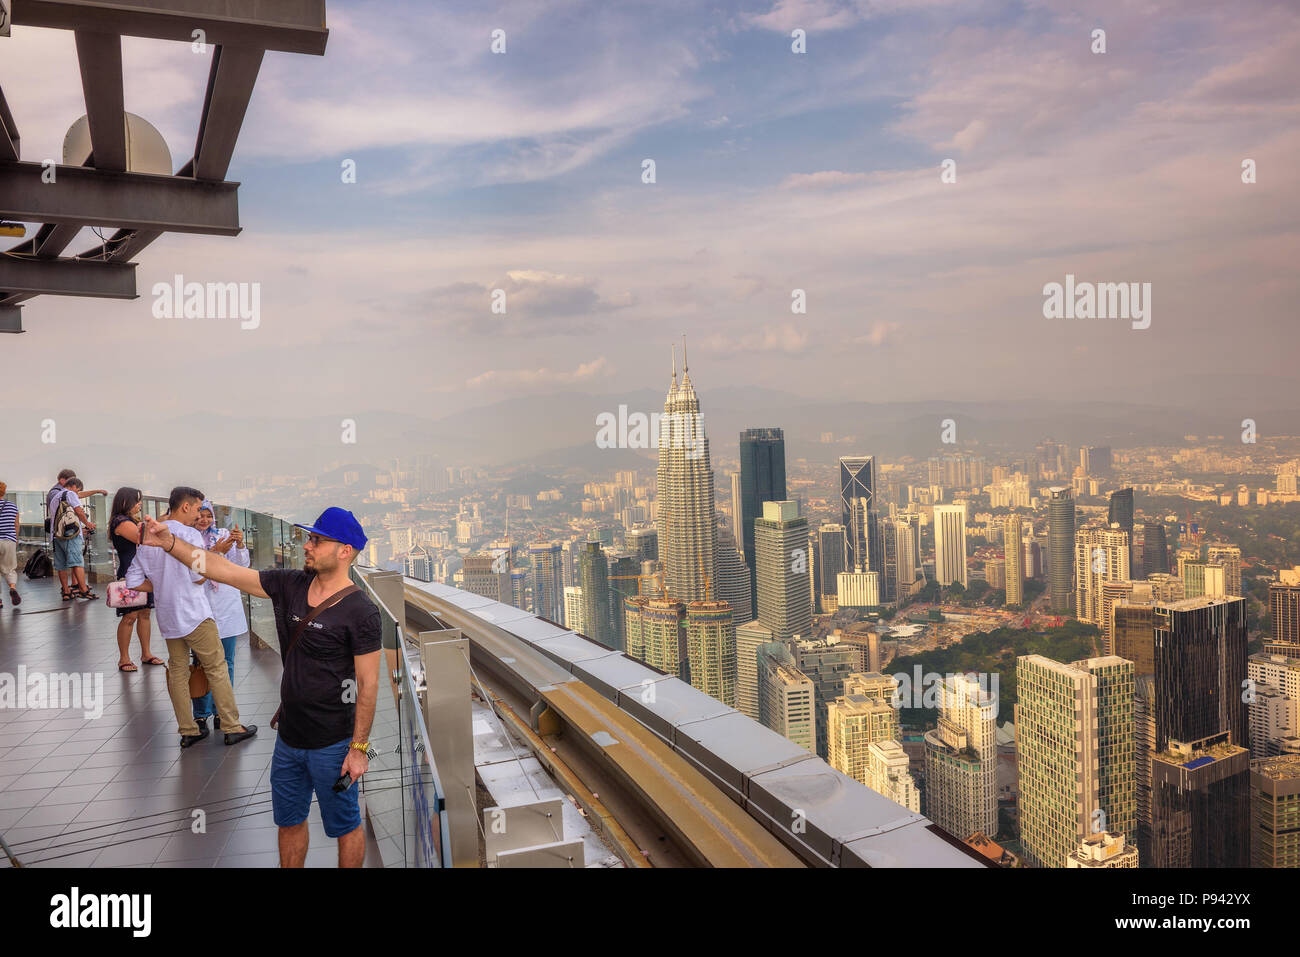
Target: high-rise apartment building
[[686, 517], [950, 544], [1284, 609], [762, 479], [785, 701], [1060, 549], [827, 662], [656, 633], [749, 637], [1229, 556], [1273, 703], [907, 565], [961, 760], [1075, 753], [548, 580], [1200, 794], [888, 773], [1014, 559], [1100, 555], [711, 649], [862, 715], [573, 609], [643, 542], [1275, 811], [783, 575]]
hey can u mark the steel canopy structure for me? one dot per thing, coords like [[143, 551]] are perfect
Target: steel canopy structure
[[139, 207]]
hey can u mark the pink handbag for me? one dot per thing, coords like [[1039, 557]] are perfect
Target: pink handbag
[[119, 596]]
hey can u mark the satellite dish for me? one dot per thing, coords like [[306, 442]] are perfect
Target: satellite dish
[[146, 150]]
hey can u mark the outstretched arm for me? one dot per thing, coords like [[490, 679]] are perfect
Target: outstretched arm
[[208, 564]]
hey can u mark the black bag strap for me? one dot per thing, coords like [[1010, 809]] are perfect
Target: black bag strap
[[329, 602]]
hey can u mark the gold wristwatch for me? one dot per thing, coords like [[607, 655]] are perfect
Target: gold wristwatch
[[362, 746]]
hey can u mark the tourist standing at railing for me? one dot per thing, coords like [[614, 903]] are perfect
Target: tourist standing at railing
[[67, 542], [9, 522], [124, 536], [330, 640], [185, 615], [227, 603]]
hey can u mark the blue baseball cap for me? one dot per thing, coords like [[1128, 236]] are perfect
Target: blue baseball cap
[[340, 525]]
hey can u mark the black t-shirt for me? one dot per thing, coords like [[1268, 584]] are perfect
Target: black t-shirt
[[312, 689]]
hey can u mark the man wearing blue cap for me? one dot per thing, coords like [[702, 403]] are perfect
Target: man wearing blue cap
[[330, 640]]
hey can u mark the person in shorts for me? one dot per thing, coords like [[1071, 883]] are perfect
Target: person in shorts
[[9, 522], [69, 553], [330, 682]]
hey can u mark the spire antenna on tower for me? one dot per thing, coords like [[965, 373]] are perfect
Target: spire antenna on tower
[[686, 367]]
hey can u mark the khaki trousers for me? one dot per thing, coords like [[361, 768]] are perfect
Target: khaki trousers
[[206, 644], [9, 561]]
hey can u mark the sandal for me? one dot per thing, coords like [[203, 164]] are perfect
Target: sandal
[[67, 595], [129, 666], [87, 594], [154, 660]]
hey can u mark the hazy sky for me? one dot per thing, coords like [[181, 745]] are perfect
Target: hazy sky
[[775, 171]]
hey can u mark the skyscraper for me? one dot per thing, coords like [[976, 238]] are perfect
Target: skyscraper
[[1200, 794], [573, 609], [762, 479], [1014, 556], [1060, 550], [858, 511], [1121, 514], [749, 637], [711, 649], [593, 572], [827, 663], [950, 544], [1155, 550], [418, 564], [624, 577], [832, 557], [1075, 753], [1229, 556], [1100, 555], [1284, 609], [1200, 669], [686, 516], [862, 715], [785, 700], [961, 759], [548, 580], [656, 633], [643, 541], [1275, 811], [733, 578], [781, 560]]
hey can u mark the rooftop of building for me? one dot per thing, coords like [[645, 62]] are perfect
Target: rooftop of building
[[1196, 754], [1283, 767]]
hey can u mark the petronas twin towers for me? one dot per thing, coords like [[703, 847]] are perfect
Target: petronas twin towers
[[687, 519]]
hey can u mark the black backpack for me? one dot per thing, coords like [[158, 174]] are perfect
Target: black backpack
[[39, 565]]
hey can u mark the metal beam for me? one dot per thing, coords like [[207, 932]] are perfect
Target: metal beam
[[291, 26], [11, 319], [67, 277], [100, 56], [89, 197], [9, 141], [230, 87]]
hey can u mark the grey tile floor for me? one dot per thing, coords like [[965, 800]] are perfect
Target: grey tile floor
[[116, 790]]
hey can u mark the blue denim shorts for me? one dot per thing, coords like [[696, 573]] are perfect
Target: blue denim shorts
[[296, 772], [68, 553]]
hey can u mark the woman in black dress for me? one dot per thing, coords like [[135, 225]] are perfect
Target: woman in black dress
[[124, 533]]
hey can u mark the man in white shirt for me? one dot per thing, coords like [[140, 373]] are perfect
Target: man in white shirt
[[185, 619]]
